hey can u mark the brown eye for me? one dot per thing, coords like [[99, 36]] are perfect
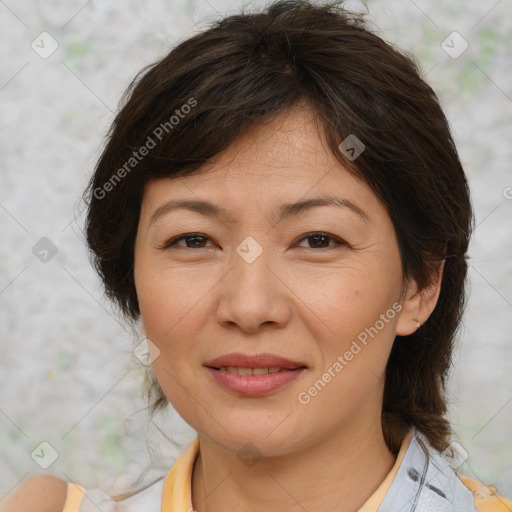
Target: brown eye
[[321, 240], [192, 240]]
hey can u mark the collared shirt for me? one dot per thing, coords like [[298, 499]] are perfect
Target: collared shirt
[[421, 480]]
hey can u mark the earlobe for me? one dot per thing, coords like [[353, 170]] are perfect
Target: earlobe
[[418, 304]]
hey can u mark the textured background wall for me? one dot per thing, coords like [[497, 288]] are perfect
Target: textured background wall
[[68, 374]]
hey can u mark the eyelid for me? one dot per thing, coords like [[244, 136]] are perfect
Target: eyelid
[[174, 240]]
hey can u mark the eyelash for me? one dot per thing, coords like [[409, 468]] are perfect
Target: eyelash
[[338, 241]]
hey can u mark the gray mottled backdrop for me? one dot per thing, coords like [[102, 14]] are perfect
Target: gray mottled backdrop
[[69, 378]]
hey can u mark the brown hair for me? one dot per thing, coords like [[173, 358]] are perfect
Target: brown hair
[[251, 67]]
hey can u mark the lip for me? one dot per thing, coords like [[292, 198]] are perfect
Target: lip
[[254, 385], [263, 360]]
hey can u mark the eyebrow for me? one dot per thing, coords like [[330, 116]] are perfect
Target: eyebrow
[[284, 211]]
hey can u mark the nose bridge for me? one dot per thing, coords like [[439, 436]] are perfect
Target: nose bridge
[[252, 295], [251, 267]]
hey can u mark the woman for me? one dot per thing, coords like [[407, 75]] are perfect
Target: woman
[[281, 205]]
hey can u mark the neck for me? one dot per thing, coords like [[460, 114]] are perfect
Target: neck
[[343, 471]]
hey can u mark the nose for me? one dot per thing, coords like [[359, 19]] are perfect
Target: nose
[[253, 296]]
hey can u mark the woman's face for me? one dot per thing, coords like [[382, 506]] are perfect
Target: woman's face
[[319, 286]]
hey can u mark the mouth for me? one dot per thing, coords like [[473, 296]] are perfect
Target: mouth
[[234, 370], [253, 374], [253, 382]]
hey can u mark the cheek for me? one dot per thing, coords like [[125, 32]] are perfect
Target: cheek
[[170, 301], [345, 300], [354, 339], [354, 312], [172, 318]]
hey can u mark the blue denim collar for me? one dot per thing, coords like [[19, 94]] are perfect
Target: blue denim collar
[[425, 482]]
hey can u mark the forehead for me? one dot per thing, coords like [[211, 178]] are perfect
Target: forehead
[[289, 143], [280, 161]]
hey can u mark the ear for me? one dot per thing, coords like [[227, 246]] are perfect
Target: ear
[[418, 304]]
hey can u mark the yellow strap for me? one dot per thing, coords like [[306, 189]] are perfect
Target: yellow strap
[[74, 497], [177, 490], [486, 497]]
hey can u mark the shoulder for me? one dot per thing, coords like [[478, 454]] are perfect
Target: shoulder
[[40, 493], [43, 493], [486, 497]]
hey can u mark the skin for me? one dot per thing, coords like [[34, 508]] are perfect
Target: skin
[[39, 493], [302, 298]]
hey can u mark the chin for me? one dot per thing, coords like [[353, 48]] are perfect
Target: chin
[[266, 441]]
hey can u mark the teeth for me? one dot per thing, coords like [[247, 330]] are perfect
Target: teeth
[[248, 371]]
